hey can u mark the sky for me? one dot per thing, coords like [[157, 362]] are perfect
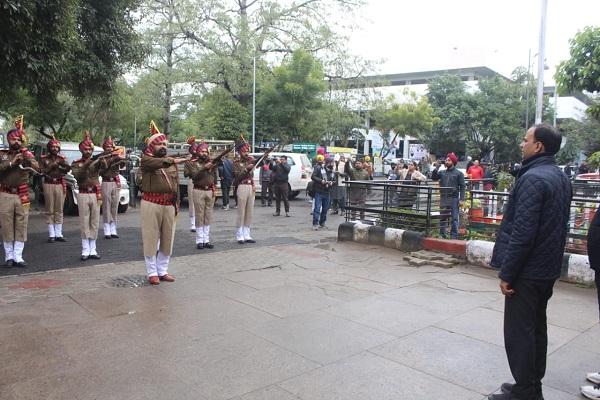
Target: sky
[[420, 35]]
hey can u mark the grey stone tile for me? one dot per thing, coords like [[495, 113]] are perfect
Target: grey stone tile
[[205, 288], [369, 377], [392, 276], [268, 393], [204, 318], [321, 337], [44, 313], [435, 296], [391, 316], [488, 326], [588, 340], [467, 362], [567, 367], [105, 379], [284, 301], [235, 364]]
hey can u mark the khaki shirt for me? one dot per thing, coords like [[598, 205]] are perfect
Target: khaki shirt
[[12, 175], [86, 173], [240, 169], [200, 175], [55, 166], [159, 175]]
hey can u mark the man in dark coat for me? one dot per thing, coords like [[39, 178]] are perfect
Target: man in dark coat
[[452, 196], [529, 251], [280, 171], [593, 247]]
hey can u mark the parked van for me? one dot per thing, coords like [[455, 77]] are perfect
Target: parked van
[[300, 172]]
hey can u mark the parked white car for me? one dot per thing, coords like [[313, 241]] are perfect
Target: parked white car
[[300, 172], [71, 152]]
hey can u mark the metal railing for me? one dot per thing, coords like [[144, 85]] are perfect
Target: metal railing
[[425, 207]]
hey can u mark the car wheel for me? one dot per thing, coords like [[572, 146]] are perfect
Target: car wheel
[[70, 207], [122, 208]]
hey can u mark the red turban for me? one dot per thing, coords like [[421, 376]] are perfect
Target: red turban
[[86, 143], [452, 158], [202, 146], [53, 142], [152, 141], [193, 146], [108, 142]]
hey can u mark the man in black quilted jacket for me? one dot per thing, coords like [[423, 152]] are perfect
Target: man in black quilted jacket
[[593, 248], [529, 251]]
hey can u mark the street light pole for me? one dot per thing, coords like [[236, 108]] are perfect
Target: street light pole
[[253, 103], [527, 91], [542, 51]]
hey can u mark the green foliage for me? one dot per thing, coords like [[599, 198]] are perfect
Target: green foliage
[[581, 136], [582, 70], [504, 181], [594, 160], [290, 100], [79, 46], [222, 117]]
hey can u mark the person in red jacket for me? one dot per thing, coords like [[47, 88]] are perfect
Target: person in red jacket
[[475, 173]]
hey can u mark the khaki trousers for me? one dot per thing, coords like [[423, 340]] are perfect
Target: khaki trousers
[[158, 225], [13, 218], [190, 197], [54, 199], [110, 201], [203, 201], [245, 210], [89, 215]]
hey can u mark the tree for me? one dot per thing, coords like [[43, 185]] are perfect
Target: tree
[[581, 137], [78, 46], [289, 101], [222, 117], [231, 33], [582, 70], [413, 117]]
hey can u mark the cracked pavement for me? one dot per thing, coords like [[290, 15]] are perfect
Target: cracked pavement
[[307, 319]]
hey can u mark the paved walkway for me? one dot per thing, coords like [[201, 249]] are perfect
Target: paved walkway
[[322, 320]]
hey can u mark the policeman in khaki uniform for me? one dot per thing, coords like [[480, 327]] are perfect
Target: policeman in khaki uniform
[[54, 167], [109, 171], [85, 171], [14, 194], [160, 187], [243, 172], [192, 213], [204, 175]]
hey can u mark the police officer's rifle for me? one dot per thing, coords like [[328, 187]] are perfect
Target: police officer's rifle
[[265, 155], [215, 161]]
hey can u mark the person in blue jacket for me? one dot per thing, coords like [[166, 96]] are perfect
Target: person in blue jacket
[[529, 251]]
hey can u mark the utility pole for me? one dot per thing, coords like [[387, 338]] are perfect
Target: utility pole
[[253, 104], [542, 51], [527, 90]]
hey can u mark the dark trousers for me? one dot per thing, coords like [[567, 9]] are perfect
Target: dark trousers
[[266, 192], [597, 279], [526, 335], [281, 193], [225, 186]]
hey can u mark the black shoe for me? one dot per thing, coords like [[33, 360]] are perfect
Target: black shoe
[[83, 258], [263, 205], [94, 256], [270, 205], [60, 239], [51, 240], [192, 229], [501, 396], [9, 263], [200, 246], [208, 245], [507, 387], [115, 236], [241, 242], [250, 241], [276, 214], [287, 214], [21, 264], [107, 237], [334, 213]]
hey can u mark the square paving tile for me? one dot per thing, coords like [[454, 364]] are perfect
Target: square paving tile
[[284, 301], [235, 364], [369, 377], [45, 313], [567, 367], [388, 315], [321, 337], [473, 364], [489, 327], [269, 393]]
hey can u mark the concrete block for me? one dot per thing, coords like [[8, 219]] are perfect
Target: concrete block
[[417, 262], [393, 238], [442, 263], [427, 255], [411, 241], [579, 270], [479, 252], [346, 232], [377, 235], [361, 233]]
